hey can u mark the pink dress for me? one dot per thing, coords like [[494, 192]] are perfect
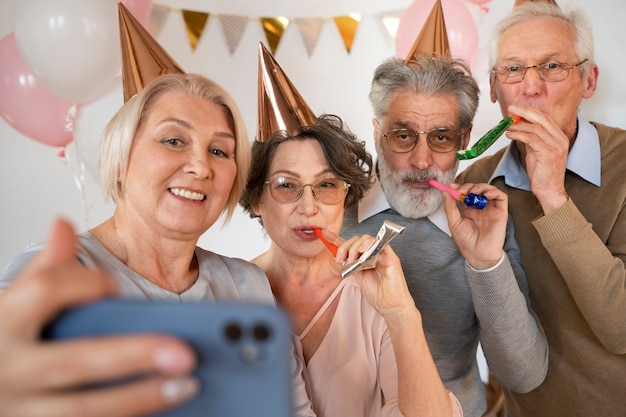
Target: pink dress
[[353, 372]]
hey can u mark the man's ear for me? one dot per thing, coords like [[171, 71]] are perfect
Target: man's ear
[[492, 88], [376, 131], [591, 82], [466, 137]]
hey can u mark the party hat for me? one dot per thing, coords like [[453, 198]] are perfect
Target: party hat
[[433, 38], [142, 57], [281, 107]]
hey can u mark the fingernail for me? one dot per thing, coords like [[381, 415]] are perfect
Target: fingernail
[[176, 391], [172, 360]]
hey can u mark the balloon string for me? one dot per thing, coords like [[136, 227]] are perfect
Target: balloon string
[[70, 118], [78, 170]]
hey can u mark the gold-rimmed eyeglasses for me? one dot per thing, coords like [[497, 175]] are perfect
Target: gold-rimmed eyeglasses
[[439, 139], [288, 190], [551, 71]]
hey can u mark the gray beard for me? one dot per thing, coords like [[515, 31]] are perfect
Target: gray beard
[[411, 202]]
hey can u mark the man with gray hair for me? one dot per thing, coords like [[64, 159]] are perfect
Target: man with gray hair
[[565, 181], [461, 264]]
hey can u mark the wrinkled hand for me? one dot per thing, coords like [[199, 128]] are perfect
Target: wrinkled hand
[[384, 286], [545, 159], [39, 378], [478, 233]]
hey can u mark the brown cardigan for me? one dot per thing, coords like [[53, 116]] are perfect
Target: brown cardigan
[[574, 260]]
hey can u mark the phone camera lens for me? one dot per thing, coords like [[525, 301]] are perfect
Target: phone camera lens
[[233, 332], [261, 332]]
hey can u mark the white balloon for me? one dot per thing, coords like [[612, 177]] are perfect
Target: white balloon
[[71, 46], [90, 123]]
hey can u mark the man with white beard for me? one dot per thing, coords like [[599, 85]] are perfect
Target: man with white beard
[[462, 264]]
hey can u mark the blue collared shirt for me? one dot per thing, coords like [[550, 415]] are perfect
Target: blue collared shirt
[[583, 160]]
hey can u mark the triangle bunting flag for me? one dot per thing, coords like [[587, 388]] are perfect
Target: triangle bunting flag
[[195, 23], [158, 15], [310, 30], [347, 26], [233, 28], [274, 27]]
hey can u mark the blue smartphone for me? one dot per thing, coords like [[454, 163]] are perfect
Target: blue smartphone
[[244, 349]]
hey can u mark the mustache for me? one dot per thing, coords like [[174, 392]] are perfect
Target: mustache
[[418, 176]]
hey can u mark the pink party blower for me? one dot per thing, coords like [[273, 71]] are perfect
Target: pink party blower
[[470, 200]]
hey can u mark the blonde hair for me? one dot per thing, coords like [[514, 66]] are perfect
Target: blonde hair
[[520, 2], [119, 134]]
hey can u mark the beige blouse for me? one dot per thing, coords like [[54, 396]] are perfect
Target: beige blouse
[[353, 372]]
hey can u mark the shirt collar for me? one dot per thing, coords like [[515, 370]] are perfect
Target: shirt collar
[[583, 159], [376, 202]]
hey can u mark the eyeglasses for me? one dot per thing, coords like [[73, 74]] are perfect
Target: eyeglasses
[[440, 139], [288, 190], [550, 71]]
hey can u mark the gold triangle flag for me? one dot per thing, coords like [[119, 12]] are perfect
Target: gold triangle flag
[[347, 26], [274, 27], [233, 28], [433, 38], [280, 105], [195, 23], [142, 57], [310, 29]]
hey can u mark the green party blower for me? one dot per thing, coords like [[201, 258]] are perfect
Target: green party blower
[[489, 139]]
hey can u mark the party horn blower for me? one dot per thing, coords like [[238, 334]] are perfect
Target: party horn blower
[[367, 260], [488, 139], [331, 246], [470, 200]]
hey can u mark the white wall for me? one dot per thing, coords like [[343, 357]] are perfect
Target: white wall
[[36, 185]]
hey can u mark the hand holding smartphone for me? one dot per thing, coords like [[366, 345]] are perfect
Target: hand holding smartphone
[[244, 349]]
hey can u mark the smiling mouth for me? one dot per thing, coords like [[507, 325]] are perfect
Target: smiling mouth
[[189, 195]]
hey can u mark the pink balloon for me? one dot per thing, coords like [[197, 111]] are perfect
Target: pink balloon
[[25, 104], [460, 25], [140, 9], [479, 2]]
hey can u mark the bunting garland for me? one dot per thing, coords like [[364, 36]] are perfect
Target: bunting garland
[[274, 27], [310, 30], [391, 21], [158, 15], [234, 26], [347, 26], [195, 23]]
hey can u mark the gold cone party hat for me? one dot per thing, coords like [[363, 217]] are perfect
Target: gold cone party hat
[[281, 107], [433, 38], [142, 57]]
